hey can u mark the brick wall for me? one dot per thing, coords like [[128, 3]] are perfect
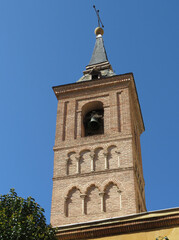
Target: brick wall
[[97, 176]]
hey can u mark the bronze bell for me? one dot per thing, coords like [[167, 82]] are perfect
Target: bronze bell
[[94, 123]]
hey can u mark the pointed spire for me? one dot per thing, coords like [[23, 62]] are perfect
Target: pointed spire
[[99, 53], [99, 66]]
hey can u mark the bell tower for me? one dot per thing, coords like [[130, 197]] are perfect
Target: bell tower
[[97, 155]]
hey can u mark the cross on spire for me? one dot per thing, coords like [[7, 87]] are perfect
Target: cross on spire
[[99, 19]]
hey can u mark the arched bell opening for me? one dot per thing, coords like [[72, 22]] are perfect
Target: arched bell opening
[[93, 119], [94, 123]]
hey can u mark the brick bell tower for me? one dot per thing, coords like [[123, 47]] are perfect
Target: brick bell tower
[[97, 155]]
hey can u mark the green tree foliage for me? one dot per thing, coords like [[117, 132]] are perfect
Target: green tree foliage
[[22, 219]]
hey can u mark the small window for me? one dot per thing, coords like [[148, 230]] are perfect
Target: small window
[[95, 76]]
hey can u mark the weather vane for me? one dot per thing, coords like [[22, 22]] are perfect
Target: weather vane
[[99, 19]]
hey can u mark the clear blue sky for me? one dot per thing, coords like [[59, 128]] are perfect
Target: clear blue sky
[[44, 43]]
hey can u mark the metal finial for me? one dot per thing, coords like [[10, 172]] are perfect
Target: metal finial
[[99, 19]]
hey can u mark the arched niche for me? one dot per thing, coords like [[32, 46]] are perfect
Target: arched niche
[[71, 163], [113, 157], [85, 161], [93, 200], [99, 159], [73, 203], [112, 198]]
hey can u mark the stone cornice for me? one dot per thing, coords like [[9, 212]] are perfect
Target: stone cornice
[[92, 84], [123, 225]]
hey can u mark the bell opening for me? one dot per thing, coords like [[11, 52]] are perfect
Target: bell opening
[[94, 123]]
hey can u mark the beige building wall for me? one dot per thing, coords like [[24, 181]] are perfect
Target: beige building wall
[[171, 233]]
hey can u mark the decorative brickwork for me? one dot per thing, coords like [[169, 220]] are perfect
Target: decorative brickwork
[[99, 176]]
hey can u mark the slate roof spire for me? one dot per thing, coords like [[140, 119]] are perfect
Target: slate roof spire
[[99, 53], [99, 66]]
